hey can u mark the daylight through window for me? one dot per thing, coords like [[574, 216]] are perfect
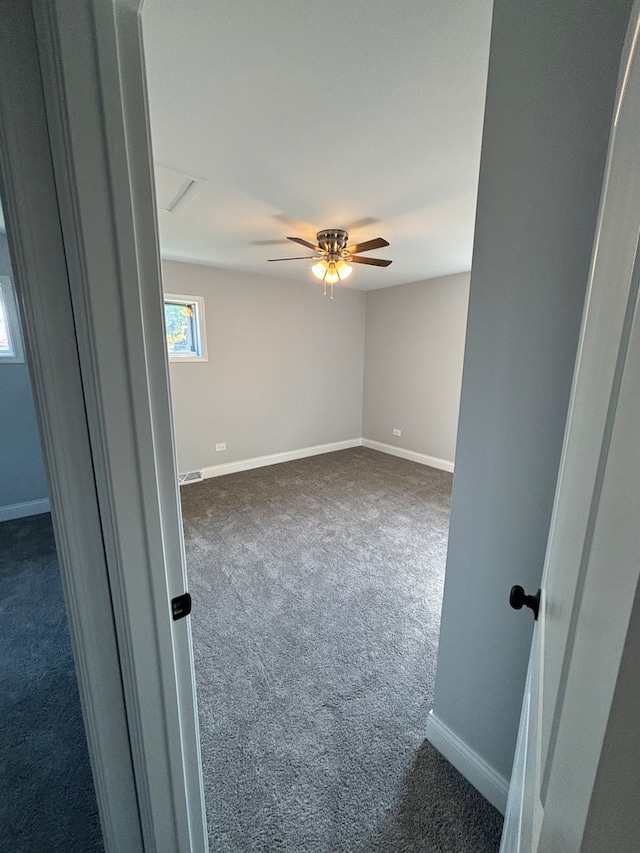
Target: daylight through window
[[184, 323], [10, 338]]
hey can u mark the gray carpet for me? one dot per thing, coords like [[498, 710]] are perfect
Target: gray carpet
[[47, 800], [317, 590]]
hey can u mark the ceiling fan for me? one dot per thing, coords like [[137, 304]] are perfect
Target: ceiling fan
[[334, 255]]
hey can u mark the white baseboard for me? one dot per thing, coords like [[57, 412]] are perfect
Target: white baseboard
[[421, 458], [317, 450], [22, 510], [481, 775], [276, 458]]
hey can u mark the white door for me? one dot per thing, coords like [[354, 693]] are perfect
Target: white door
[[75, 161], [589, 580]]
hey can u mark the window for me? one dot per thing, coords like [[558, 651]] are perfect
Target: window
[[184, 324], [10, 336]]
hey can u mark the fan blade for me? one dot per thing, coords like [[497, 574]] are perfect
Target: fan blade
[[375, 262], [306, 243], [305, 258], [378, 243]]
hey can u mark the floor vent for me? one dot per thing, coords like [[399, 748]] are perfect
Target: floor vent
[[189, 477]]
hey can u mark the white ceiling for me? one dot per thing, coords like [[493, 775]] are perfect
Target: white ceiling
[[300, 116]]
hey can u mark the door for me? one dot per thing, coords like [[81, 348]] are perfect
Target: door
[[40, 276], [589, 581], [76, 171]]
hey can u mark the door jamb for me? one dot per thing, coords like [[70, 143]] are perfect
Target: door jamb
[[95, 93], [91, 68], [40, 275]]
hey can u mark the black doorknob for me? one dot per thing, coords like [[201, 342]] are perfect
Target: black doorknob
[[519, 599]]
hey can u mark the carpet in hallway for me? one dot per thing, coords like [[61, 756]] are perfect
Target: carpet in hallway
[[317, 589], [47, 799]]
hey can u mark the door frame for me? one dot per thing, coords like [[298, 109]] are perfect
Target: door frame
[[81, 212], [40, 276]]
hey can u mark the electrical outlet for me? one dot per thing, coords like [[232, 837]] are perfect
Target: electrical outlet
[[222, 446], [397, 432]]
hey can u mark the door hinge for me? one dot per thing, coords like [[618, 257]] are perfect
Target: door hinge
[[181, 606]]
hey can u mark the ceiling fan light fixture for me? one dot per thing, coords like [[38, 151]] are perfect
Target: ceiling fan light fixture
[[344, 270], [333, 256], [332, 276], [320, 269]]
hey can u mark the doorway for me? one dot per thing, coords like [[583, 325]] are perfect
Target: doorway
[[520, 353], [316, 564], [48, 799], [582, 228], [316, 573]]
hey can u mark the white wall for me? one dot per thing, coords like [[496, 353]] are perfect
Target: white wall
[[551, 86], [285, 367], [22, 477], [413, 364]]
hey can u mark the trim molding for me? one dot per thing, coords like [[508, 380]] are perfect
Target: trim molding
[[475, 770], [22, 510], [317, 450], [276, 458], [420, 458], [41, 262], [92, 69]]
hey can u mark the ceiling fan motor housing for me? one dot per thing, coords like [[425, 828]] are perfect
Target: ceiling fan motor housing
[[333, 240]]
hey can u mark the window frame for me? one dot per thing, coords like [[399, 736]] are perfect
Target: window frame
[[200, 332], [12, 319]]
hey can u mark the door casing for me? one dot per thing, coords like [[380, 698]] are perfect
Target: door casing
[[77, 175]]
